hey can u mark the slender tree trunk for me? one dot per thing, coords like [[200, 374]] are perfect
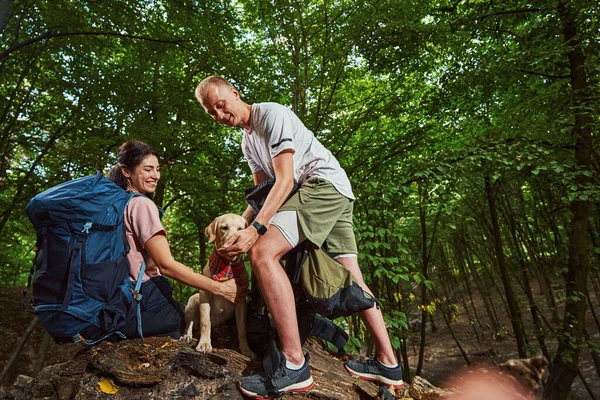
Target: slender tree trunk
[[424, 261], [593, 354], [545, 286], [564, 365], [447, 321], [489, 280], [483, 292], [463, 272], [426, 248], [596, 287], [406, 373], [537, 325], [589, 299], [513, 308]]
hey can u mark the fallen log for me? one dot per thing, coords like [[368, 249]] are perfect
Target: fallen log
[[161, 367]]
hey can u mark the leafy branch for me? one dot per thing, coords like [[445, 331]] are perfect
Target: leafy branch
[[50, 35]]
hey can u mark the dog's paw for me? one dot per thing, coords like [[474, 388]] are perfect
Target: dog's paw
[[245, 350], [186, 339], [204, 346]]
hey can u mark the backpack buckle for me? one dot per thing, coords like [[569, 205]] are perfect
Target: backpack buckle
[[86, 227]]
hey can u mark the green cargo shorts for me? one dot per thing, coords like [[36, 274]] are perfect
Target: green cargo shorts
[[324, 215]]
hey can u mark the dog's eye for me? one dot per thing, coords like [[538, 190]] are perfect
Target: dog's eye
[[225, 227]]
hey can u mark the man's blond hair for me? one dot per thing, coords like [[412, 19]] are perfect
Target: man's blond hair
[[208, 82]]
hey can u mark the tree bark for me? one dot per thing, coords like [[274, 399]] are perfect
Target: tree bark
[[537, 325], [424, 261], [483, 291], [511, 300], [564, 365]]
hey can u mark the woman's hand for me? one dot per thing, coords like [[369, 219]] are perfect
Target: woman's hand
[[229, 290], [240, 243]]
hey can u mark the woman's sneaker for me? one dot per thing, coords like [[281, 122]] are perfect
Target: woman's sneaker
[[282, 381], [373, 370]]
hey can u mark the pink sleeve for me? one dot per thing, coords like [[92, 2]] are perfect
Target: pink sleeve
[[144, 219]]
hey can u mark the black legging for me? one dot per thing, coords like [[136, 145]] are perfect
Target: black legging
[[161, 314]]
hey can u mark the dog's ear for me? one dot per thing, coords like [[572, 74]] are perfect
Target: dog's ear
[[211, 231]]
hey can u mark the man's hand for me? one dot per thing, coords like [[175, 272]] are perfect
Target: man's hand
[[239, 243]]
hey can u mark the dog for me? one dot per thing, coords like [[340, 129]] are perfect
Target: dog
[[207, 310]]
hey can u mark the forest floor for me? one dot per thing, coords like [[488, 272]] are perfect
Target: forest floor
[[442, 358]]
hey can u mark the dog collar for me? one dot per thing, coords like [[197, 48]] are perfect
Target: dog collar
[[221, 270]]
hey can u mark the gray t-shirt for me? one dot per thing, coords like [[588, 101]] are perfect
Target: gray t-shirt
[[274, 128]]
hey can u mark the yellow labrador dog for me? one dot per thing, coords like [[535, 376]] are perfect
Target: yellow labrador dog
[[205, 309]]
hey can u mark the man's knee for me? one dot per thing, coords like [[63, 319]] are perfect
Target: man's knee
[[260, 256], [266, 252]]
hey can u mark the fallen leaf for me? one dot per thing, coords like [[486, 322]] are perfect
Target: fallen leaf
[[107, 387]]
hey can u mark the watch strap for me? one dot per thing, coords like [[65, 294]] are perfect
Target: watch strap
[[259, 227]]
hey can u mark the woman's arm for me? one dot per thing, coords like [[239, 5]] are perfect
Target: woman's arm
[[158, 248]]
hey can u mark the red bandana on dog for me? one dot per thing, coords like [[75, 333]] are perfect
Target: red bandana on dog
[[220, 270]]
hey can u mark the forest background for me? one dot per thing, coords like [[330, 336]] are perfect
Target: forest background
[[466, 127]]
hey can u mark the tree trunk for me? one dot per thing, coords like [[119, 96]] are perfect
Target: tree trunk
[[463, 271], [483, 291], [564, 365], [513, 308], [447, 321], [424, 261], [537, 325], [403, 347]]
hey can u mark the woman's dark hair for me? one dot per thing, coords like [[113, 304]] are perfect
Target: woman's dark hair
[[131, 154]]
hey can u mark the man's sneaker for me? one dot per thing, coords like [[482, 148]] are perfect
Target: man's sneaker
[[282, 381], [373, 370]]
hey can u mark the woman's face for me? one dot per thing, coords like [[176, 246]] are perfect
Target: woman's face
[[144, 177]]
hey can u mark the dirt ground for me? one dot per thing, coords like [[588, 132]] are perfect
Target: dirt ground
[[442, 357]]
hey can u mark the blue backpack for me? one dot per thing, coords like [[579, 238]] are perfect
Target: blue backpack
[[81, 286]]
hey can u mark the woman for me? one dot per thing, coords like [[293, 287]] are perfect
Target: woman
[[137, 170]]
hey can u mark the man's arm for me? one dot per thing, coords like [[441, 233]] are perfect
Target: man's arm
[[283, 165], [258, 177], [242, 241]]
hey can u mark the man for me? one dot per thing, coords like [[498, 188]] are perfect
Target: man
[[278, 145]]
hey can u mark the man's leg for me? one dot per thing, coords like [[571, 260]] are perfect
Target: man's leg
[[372, 317], [277, 290], [384, 367], [293, 374]]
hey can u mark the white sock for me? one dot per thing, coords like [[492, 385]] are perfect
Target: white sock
[[387, 366], [294, 367]]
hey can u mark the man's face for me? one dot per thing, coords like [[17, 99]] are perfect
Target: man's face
[[223, 104]]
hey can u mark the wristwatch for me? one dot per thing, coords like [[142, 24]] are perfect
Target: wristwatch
[[259, 227]]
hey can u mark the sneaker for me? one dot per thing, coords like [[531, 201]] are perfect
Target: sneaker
[[373, 370], [282, 381]]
